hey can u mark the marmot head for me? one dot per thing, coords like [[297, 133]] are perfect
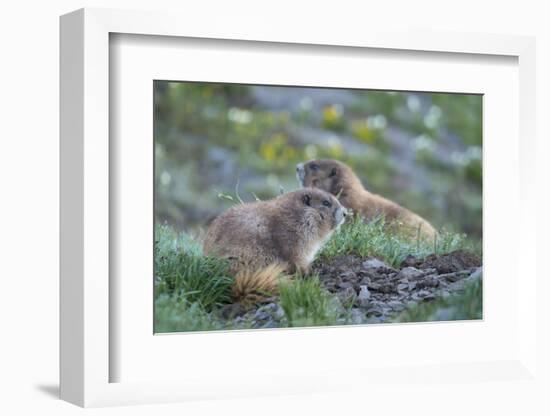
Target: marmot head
[[329, 175], [320, 205]]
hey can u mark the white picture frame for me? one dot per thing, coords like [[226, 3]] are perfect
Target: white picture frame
[[86, 356]]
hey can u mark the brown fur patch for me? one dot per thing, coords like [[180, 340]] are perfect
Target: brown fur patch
[[254, 286], [285, 230], [339, 179]]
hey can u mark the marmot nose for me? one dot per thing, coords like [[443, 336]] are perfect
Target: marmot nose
[[299, 167]]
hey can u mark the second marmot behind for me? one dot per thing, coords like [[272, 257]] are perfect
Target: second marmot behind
[[339, 179], [287, 230]]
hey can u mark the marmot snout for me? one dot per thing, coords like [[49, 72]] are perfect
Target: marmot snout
[[339, 179], [287, 230]]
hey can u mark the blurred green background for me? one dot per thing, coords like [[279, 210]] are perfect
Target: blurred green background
[[422, 150]]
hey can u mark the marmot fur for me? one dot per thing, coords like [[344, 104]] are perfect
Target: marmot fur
[[339, 179], [287, 230]]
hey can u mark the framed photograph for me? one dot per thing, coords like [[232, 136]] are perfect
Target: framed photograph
[[262, 218], [237, 211]]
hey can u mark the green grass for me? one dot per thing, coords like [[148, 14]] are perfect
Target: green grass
[[464, 306], [306, 303], [182, 271], [371, 239], [175, 314]]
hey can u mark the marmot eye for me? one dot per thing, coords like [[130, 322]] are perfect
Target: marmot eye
[[327, 203], [314, 166]]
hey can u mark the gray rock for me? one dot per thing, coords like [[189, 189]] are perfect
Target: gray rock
[[409, 273], [449, 277], [347, 275], [279, 313], [477, 274], [347, 295], [373, 286], [335, 304], [270, 324], [365, 281], [346, 285], [396, 305], [429, 296], [375, 264], [376, 311], [424, 294], [262, 315], [357, 317], [232, 310], [402, 287], [363, 297]]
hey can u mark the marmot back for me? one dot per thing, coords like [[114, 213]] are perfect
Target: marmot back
[[339, 179], [287, 230]]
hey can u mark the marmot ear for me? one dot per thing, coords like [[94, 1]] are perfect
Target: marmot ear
[[307, 199], [333, 172]]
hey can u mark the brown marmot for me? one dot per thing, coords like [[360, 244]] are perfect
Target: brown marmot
[[339, 179], [287, 230]]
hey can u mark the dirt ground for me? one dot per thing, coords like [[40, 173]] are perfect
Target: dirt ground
[[380, 290]]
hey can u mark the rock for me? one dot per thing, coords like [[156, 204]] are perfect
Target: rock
[[424, 294], [349, 276], [410, 261], [261, 315], [409, 273], [363, 297], [453, 277], [278, 313], [429, 296], [374, 286], [477, 274], [402, 287], [345, 285], [335, 304], [270, 324], [428, 281], [375, 264], [366, 280], [375, 310], [239, 320], [347, 296], [396, 305], [232, 310], [357, 317]]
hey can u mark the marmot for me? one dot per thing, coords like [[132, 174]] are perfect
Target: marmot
[[339, 179], [287, 231]]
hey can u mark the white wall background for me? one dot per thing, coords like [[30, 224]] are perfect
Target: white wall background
[[29, 206]]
